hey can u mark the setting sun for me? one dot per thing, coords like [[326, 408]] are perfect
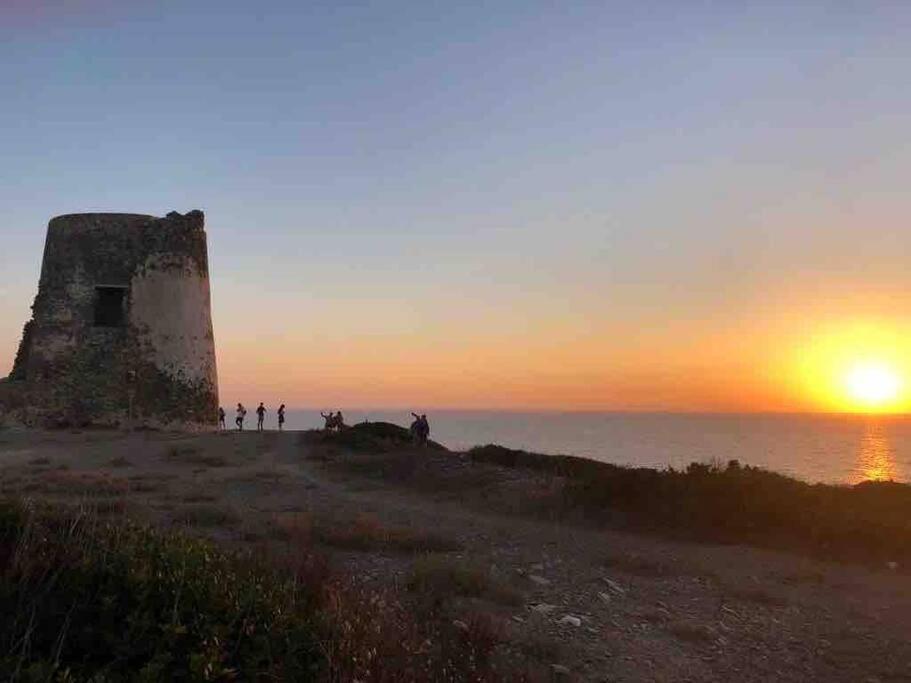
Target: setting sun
[[857, 368], [872, 384]]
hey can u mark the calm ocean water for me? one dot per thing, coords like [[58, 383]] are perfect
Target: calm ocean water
[[828, 448]]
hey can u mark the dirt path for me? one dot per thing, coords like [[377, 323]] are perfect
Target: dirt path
[[595, 605]]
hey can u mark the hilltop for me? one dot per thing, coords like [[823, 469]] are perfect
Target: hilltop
[[516, 565]]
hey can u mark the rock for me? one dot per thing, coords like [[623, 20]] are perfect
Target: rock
[[614, 586], [543, 608], [461, 625], [570, 620], [538, 580], [537, 568], [559, 670], [604, 597], [516, 618]]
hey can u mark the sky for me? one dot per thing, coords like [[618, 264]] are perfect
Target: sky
[[684, 206]]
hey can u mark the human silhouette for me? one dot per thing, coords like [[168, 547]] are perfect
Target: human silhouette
[[281, 417], [221, 418], [260, 417], [241, 414], [420, 429]]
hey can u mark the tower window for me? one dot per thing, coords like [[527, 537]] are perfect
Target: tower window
[[109, 306]]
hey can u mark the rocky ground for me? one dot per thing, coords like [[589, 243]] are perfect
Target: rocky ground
[[565, 600]]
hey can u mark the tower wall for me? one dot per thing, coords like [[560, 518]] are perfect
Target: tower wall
[[121, 332]]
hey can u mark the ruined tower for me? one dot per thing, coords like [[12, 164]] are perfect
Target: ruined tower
[[121, 329]]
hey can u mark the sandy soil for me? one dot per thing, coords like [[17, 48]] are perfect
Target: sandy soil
[[641, 608]]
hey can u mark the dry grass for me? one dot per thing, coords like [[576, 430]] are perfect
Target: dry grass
[[199, 498], [541, 647], [802, 577], [193, 455], [207, 516], [441, 577], [689, 631], [363, 533], [84, 483], [637, 565], [752, 594]]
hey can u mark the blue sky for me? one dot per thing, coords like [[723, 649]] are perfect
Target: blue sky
[[474, 173]]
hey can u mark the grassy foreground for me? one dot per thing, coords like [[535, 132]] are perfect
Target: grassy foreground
[[85, 599]]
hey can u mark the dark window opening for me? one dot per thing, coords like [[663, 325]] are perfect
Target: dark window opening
[[109, 306]]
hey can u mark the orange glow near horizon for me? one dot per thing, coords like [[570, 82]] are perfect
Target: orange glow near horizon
[[860, 369], [844, 366]]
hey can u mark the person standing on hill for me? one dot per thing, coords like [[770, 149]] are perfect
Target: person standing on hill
[[260, 417], [221, 418], [281, 417], [241, 414], [420, 429]]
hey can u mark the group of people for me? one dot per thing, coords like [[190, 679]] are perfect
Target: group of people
[[335, 422], [260, 417]]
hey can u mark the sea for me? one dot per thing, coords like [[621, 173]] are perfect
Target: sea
[[844, 449]]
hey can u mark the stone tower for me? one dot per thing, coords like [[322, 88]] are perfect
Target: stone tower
[[121, 329]]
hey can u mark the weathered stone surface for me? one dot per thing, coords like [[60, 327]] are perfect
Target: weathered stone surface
[[155, 365]]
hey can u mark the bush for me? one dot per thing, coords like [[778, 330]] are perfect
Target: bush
[[89, 600], [83, 599], [368, 437], [733, 503]]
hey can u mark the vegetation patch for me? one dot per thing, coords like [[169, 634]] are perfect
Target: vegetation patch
[[442, 577], [369, 437], [732, 504], [199, 498], [753, 595], [88, 600], [193, 455], [363, 533], [689, 631], [91, 483], [207, 516], [638, 565]]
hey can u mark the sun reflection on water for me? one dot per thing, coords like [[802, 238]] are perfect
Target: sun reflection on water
[[875, 455]]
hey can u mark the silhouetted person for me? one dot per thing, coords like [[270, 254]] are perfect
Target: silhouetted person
[[241, 414], [260, 417], [330, 420], [415, 428], [339, 421], [281, 417], [221, 418], [420, 429]]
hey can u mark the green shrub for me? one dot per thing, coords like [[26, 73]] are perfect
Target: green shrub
[[88, 600], [733, 503]]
